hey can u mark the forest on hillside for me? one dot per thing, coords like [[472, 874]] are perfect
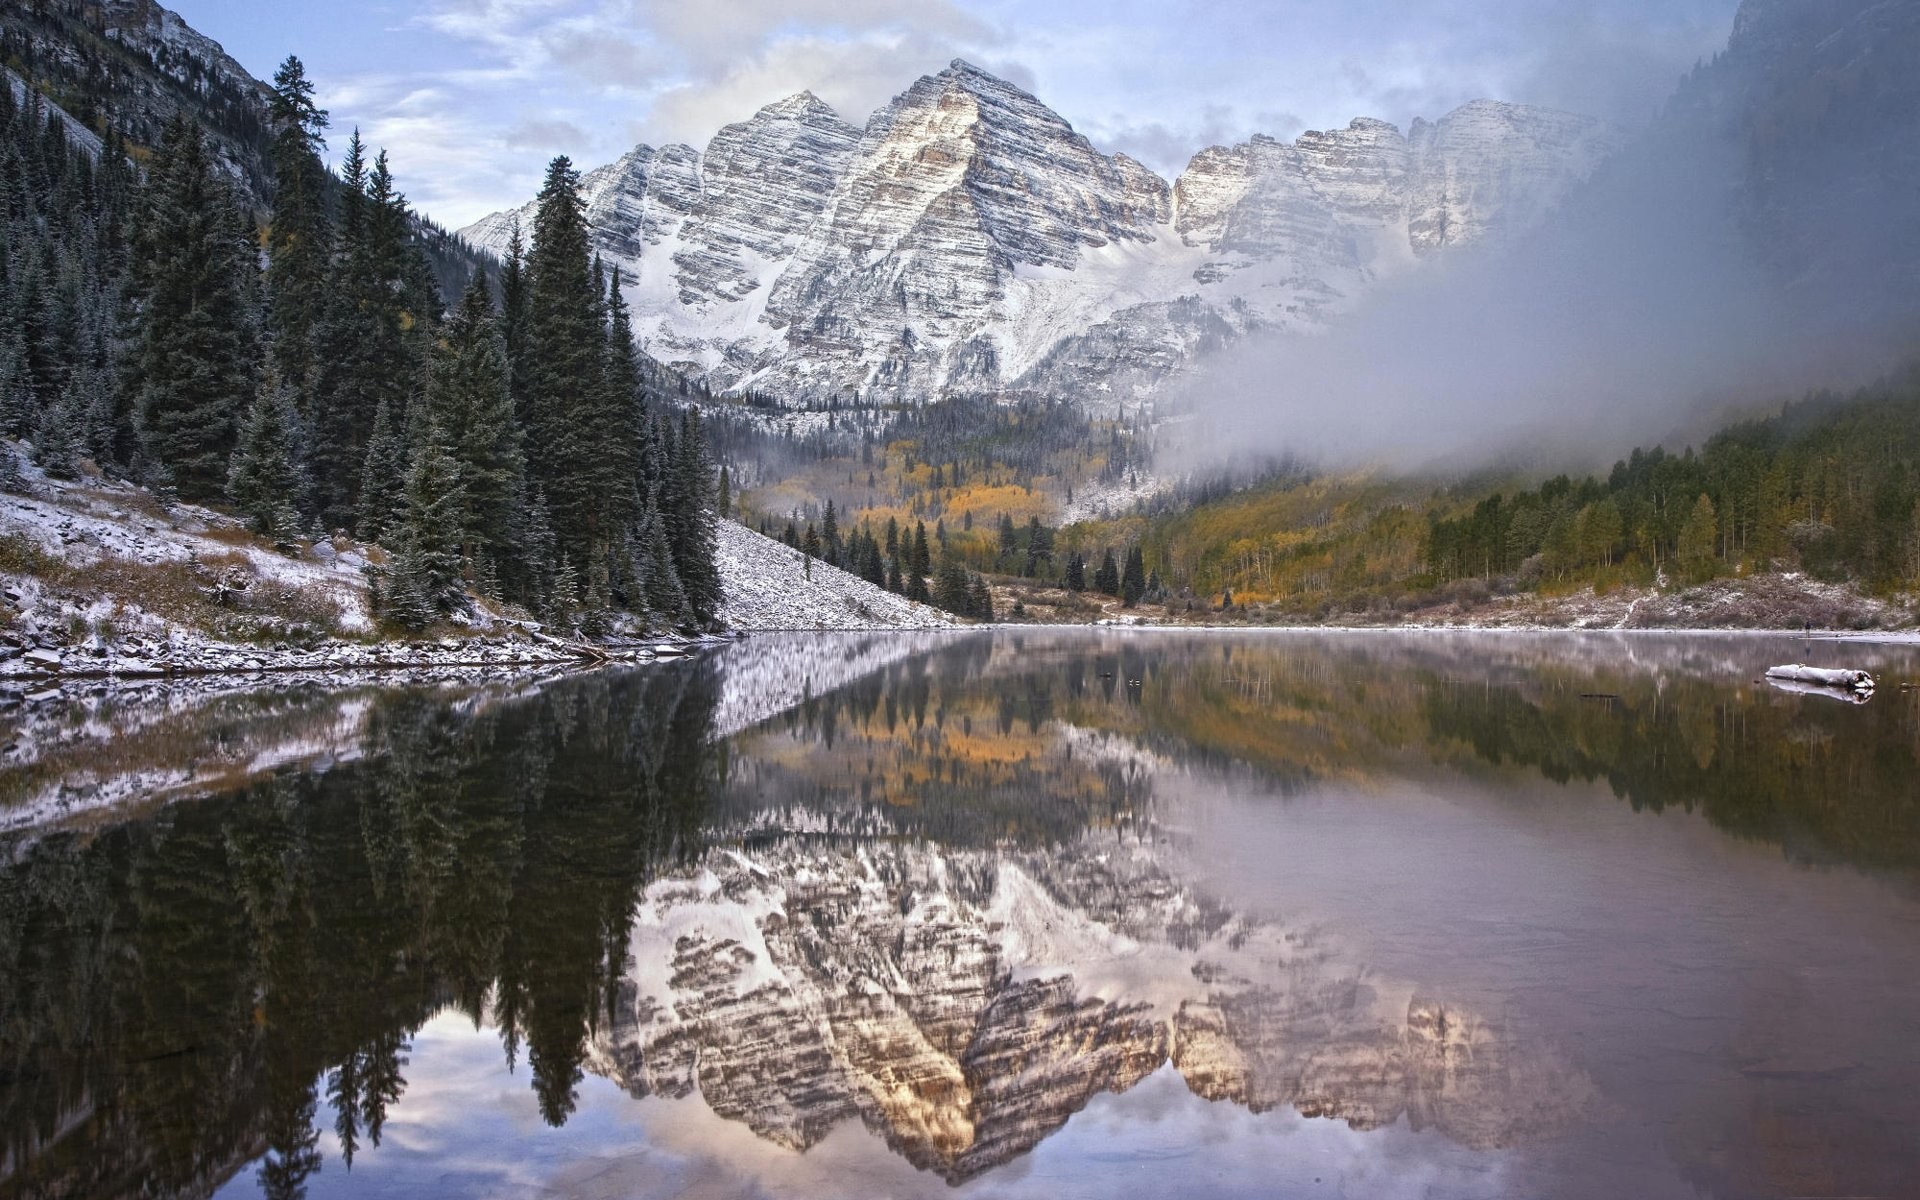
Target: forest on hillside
[[1829, 486], [301, 367]]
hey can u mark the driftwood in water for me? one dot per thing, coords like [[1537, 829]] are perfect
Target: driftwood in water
[[1845, 695], [1829, 677]]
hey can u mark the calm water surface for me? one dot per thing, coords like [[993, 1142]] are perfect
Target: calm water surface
[[1052, 914]]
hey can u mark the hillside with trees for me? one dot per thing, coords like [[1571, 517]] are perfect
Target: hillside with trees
[[303, 370], [1827, 489]]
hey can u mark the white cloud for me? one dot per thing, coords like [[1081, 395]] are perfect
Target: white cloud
[[513, 81]]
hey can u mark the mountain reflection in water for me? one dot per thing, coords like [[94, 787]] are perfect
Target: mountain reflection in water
[[954, 891]]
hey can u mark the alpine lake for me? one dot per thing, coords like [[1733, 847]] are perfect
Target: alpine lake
[[1044, 913]]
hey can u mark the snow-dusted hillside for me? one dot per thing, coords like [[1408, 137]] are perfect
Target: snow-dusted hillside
[[970, 240], [771, 586]]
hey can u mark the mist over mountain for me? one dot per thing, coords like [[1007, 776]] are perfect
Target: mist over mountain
[[1504, 277], [1756, 241]]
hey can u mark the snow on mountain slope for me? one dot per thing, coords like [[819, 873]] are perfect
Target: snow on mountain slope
[[970, 240], [771, 586]]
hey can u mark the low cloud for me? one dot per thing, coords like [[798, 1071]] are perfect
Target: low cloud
[[1639, 314]]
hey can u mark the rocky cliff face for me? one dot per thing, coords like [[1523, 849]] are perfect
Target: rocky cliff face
[[970, 240], [965, 1004]]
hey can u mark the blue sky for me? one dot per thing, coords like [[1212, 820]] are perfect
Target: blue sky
[[472, 97]]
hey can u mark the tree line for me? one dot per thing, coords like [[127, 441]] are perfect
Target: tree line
[[1830, 485], [896, 560], [304, 372]]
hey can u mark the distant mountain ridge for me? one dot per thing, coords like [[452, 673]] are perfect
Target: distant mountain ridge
[[968, 239]]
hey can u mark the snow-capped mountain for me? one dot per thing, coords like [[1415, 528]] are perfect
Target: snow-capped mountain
[[968, 239]]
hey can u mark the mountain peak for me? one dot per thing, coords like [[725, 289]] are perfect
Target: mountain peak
[[800, 104]]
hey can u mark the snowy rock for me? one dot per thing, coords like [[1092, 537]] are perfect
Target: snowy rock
[[970, 240]]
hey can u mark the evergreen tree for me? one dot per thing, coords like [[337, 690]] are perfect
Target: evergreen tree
[[830, 536], [1133, 580], [468, 397], [513, 315], [951, 588], [664, 595], [57, 444], [1106, 580], [193, 350], [539, 564], [564, 356], [919, 562], [685, 495], [979, 600], [1039, 548], [1076, 575], [384, 471], [266, 480], [300, 246], [620, 417], [426, 582], [374, 331]]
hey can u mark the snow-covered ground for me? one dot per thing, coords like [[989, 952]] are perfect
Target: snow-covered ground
[[762, 677], [92, 558], [771, 586]]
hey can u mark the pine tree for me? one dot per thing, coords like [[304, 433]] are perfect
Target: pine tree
[[1039, 548], [468, 396], [265, 479], [382, 489], [374, 334], [300, 246], [919, 562], [193, 350], [1133, 580], [685, 495], [1106, 580], [57, 444], [664, 595], [951, 588], [427, 562], [830, 536], [513, 315], [620, 416], [539, 556], [979, 600], [1076, 574], [564, 355]]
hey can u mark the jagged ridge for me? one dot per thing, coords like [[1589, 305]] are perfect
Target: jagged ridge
[[970, 240]]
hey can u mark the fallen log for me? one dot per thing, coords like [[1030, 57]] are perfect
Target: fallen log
[[1845, 678], [1845, 695]]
